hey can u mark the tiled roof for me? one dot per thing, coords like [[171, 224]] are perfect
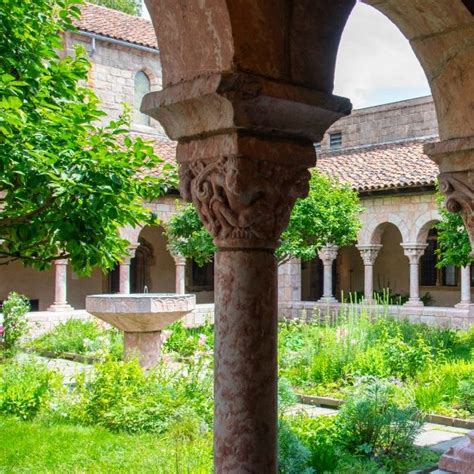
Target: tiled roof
[[390, 166], [114, 24]]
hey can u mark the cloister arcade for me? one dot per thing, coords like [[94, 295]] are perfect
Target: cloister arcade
[[246, 108]]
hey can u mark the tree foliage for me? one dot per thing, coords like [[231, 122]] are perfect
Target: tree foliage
[[328, 215], [454, 247], [132, 7], [188, 237], [67, 183]]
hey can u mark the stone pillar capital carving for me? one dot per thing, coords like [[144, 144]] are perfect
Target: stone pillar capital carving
[[179, 260], [245, 194], [328, 254], [456, 179], [369, 253], [414, 252]]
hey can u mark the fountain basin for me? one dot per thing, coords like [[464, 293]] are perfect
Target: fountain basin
[[142, 317]]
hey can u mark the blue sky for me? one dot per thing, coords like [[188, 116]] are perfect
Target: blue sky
[[375, 64]]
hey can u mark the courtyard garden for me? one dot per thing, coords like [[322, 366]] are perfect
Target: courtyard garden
[[113, 416]]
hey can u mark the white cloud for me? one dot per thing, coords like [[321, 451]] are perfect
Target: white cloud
[[375, 63]]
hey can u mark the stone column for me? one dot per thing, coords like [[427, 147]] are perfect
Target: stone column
[[60, 287], [180, 263], [124, 271], [465, 288], [414, 252], [328, 254], [369, 254], [243, 163]]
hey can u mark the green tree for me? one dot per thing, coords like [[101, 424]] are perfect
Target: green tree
[[454, 247], [328, 215], [132, 7], [67, 183]]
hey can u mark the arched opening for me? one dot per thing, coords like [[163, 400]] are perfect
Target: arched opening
[[153, 266], [391, 270], [142, 86], [312, 279]]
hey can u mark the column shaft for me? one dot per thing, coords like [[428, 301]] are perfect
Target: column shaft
[[180, 264], [60, 287], [245, 357], [465, 285], [124, 277], [414, 282], [368, 282]]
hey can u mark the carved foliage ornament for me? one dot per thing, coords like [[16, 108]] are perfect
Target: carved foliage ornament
[[244, 203], [458, 187]]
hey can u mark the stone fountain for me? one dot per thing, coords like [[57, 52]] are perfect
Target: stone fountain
[[141, 317]]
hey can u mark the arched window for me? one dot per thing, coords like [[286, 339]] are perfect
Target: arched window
[[142, 87]]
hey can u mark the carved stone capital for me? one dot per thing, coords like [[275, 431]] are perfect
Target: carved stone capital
[[414, 252], [179, 260], [244, 187], [455, 159], [131, 249], [328, 254], [369, 253]]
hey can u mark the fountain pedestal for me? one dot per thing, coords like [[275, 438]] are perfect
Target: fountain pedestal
[[141, 317]]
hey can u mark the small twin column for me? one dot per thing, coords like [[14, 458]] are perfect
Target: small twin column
[[180, 263], [328, 254], [414, 251], [124, 271], [60, 287], [369, 254]]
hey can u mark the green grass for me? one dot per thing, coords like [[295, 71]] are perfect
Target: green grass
[[34, 447]]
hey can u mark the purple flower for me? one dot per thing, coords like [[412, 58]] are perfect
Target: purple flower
[[2, 331], [202, 340]]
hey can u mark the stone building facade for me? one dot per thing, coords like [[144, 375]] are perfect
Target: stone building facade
[[377, 150]]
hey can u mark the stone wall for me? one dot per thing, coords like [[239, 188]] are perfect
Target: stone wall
[[386, 123], [113, 73]]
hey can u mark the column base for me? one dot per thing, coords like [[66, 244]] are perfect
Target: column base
[[327, 300], [144, 345], [464, 305], [60, 307], [414, 303], [460, 458]]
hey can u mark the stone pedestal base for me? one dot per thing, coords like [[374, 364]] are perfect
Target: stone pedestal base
[[58, 307], [327, 300], [144, 345], [459, 459], [414, 304]]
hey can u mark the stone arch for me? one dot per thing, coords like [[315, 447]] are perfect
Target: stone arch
[[296, 42], [423, 225], [154, 79], [372, 234]]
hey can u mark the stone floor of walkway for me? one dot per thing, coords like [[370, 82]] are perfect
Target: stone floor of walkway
[[439, 438]]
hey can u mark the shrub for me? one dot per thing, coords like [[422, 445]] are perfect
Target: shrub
[[15, 325], [374, 422], [286, 395], [81, 337], [466, 394], [120, 396], [26, 388], [293, 456], [320, 436], [188, 341]]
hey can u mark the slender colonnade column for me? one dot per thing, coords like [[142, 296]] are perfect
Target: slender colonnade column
[[180, 264], [465, 287], [369, 254], [414, 252], [124, 271], [328, 254], [60, 287]]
